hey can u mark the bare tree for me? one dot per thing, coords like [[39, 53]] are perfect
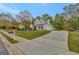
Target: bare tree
[[24, 15], [25, 18]]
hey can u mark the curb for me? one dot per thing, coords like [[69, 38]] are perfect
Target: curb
[[12, 50]]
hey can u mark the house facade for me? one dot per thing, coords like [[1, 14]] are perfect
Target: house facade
[[23, 26], [42, 25]]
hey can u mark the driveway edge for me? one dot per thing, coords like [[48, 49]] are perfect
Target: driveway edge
[[10, 47]]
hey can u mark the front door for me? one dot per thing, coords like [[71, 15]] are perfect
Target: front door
[[34, 27]]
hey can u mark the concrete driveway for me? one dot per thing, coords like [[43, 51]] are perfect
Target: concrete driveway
[[3, 50], [54, 43]]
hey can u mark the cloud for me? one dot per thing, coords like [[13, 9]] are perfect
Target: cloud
[[8, 9]]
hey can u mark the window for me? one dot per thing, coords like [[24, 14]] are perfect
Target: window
[[40, 27]]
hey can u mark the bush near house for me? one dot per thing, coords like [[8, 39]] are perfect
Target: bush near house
[[2, 27]]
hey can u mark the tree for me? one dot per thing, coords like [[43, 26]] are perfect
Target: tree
[[71, 13], [46, 17], [6, 20], [59, 22], [33, 20], [24, 15], [25, 18], [38, 17], [72, 10]]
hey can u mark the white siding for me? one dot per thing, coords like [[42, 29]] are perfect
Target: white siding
[[47, 27]]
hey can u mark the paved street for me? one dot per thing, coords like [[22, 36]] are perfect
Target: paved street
[[3, 50], [54, 43]]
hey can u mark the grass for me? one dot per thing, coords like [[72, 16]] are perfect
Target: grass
[[31, 34], [7, 30], [73, 41], [9, 39]]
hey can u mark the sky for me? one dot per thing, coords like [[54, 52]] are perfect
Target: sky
[[36, 9]]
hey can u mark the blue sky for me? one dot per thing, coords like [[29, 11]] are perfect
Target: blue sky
[[36, 9]]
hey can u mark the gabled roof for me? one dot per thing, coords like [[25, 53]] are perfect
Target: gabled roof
[[41, 22]]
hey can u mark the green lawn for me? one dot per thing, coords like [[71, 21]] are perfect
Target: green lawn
[[73, 41], [9, 39], [31, 34]]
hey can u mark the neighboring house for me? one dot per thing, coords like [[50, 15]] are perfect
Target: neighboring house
[[42, 25], [21, 27]]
